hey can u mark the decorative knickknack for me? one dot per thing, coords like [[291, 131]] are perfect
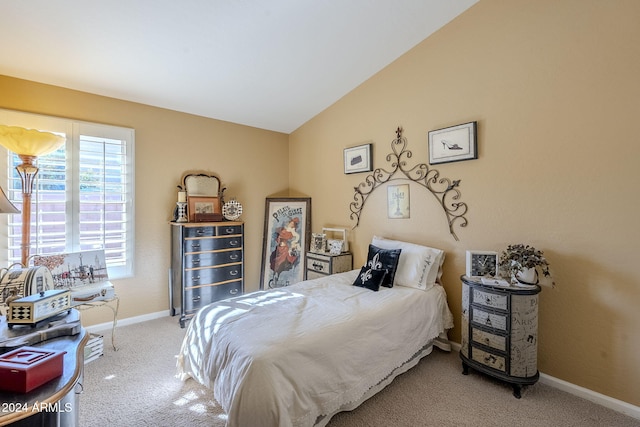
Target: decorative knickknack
[[528, 276], [522, 264]]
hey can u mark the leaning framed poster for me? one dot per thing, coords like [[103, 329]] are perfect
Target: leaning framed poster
[[287, 230]]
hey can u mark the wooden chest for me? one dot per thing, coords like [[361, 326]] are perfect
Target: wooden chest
[[34, 308], [27, 368]]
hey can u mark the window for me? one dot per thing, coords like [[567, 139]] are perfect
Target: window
[[82, 196]]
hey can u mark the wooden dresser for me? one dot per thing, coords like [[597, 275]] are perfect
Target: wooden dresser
[[207, 265], [500, 332], [319, 265]]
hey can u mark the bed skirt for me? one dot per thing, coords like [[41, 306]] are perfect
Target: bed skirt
[[441, 342]]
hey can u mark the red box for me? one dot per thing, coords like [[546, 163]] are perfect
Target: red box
[[26, 368]]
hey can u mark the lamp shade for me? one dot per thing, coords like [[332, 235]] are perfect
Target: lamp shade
[[29, 142], [6, 207]]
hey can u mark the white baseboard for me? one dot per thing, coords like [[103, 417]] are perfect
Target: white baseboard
[[590, 395], [128, 321]]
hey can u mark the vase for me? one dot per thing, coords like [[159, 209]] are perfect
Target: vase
[[527, 277]]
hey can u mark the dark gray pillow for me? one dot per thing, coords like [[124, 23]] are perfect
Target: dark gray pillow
[[370, 279], [384, 259]]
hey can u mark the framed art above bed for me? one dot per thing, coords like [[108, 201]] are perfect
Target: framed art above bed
[[453, 144], [445, 190], [287, 232]]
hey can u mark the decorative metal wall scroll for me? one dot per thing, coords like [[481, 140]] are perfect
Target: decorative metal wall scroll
[[443, 189]]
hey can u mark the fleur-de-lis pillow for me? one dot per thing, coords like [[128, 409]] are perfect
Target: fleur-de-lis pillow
[[370, 278], [384, 259]]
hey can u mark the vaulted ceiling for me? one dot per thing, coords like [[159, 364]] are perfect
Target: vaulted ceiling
[[271, 64]]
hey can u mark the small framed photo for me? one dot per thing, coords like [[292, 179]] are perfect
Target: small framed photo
[[482, 263], [318, 243], [335, 246], [203, 205], [398, 206], [453, 144], [358, 159]]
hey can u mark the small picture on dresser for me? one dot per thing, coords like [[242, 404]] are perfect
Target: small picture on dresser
[[203, 206], [318, 243]]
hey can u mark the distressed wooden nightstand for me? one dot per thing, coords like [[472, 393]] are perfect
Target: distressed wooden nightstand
[[320, 265]]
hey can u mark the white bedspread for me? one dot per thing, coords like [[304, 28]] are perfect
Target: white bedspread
[[283, 357]]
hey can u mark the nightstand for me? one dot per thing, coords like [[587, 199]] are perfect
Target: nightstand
[[500, 332], [320, 265]]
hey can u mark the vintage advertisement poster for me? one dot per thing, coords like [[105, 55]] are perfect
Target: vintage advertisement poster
[[287, 228]]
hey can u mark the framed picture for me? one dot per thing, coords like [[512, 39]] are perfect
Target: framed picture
[[203, 205], [398, 201], [318, 243], [358, 159], [453, 144], [482, 263], [287, 231]]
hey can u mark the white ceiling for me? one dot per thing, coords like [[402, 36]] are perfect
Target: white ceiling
[[271, 64]]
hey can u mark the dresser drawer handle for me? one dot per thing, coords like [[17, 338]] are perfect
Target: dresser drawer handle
[[233, 291], [196, 299], [195, 278], [234, 257], [229, 230], [234, 243], [490, 359], [195, 246], [233, 273], [195, 261], [200, 231], [488, 301], [317, 267]]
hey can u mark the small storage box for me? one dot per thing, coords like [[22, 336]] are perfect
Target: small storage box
[[27, 368]]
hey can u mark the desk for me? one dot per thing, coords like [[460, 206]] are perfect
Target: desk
[[55, 403]]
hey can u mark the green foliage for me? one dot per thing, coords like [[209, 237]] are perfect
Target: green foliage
[[517, 257]]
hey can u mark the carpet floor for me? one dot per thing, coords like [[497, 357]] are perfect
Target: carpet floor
[[136, 386]]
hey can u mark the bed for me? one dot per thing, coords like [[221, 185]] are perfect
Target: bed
[[295, 356]]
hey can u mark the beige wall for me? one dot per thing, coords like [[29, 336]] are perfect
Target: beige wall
[[554, 88], [250, 162]]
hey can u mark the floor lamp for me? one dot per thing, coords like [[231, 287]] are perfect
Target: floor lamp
[[28, 144]]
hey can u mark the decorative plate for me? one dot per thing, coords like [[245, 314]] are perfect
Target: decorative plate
[[232, 210]]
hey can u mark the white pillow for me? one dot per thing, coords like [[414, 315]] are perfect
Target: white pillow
[[419, 266]]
